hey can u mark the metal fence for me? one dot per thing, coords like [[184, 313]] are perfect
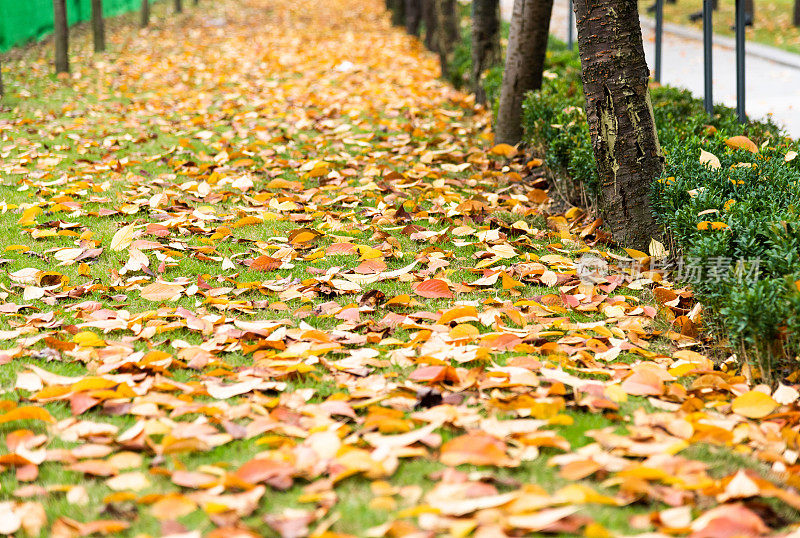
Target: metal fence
[[708, 55], [22, 21]]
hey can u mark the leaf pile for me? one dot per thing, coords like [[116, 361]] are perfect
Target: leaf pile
[[267, 278]]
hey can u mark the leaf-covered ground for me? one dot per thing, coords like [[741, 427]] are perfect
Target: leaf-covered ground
[[264, 274]]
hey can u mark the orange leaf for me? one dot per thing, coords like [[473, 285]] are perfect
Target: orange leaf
[[741, 142], [340, 249], [172, 507], [277, 474], [27, 413], [509, 283], [265, 263], [475, 448], [194, 479], [433, 289], [464, 331], [643, 382], [578, 470], [504, 150], [435, 374], [458, 313]]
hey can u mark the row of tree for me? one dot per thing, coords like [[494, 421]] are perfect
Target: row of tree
[[61, 28], [615, 83]]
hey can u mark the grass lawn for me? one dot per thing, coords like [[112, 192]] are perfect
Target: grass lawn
[[265, 275]]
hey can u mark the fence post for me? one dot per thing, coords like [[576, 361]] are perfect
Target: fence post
[[740, 38], [708, 43], [570, 24], [659, 37]]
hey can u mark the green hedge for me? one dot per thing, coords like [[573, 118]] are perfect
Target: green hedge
[[759, 203], [22, 21]]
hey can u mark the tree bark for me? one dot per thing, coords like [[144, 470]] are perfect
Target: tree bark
[[98, 29], [429, 19], [796, 13], [144, 14], [178, 6], [61, 36], [620, 115], [527, 46], [398, 11], [447, 32], [413, 16], [485, 42]]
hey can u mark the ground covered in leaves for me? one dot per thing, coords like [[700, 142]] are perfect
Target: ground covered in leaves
[[264, 274]]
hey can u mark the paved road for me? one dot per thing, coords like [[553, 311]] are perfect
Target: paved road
[[773, 87]]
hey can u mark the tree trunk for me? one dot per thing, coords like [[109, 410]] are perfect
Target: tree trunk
[[61, 36], [98, 29], [413, 16], [144, 14], [620, 116], [447, 32], [429, 19], [2, 89], [796, 13], [398, 10], [527, 46], [485, 42], [178, 6]]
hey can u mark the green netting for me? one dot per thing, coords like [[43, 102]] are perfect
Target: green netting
[[28, 20]]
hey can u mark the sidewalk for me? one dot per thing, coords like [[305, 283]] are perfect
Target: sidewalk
[[773, 76]]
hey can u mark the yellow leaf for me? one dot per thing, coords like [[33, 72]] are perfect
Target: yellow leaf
[[368, 253], [28, 217], [123, 238], [88, 339], [754, 404], [637, 255]]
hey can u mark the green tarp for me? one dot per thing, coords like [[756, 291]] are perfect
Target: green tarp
[[28, 20]]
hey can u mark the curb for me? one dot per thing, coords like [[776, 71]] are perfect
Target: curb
[[758, 50]]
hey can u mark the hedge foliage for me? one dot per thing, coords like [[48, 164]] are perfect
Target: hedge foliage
[[746, 209]]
